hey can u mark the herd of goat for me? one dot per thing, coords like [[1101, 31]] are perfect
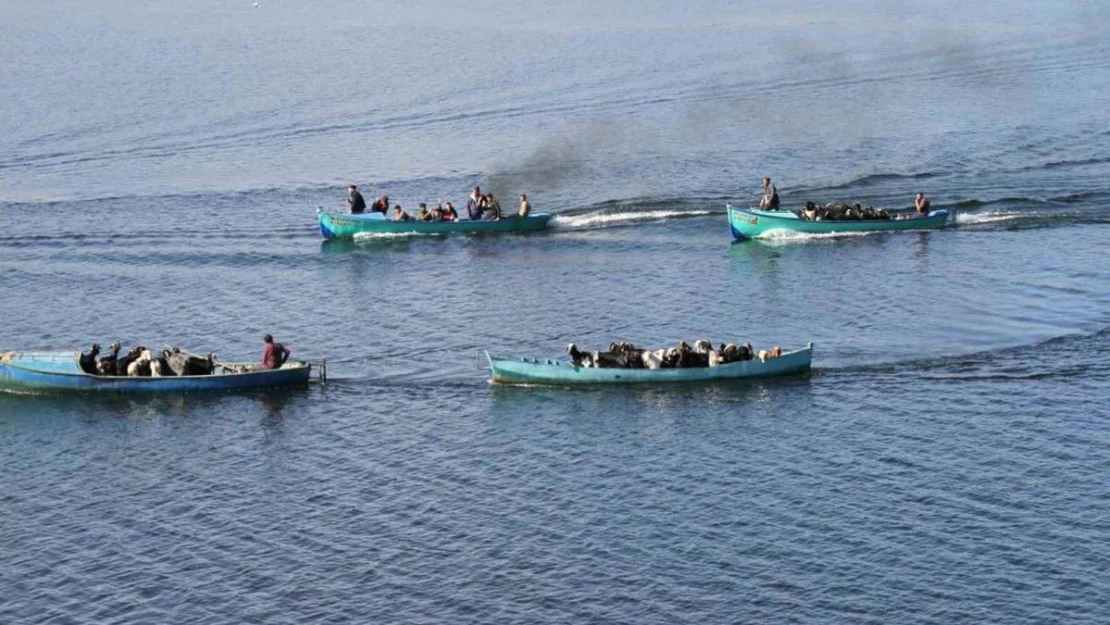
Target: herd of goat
[[627, 356], [842, 212], [141, 362]]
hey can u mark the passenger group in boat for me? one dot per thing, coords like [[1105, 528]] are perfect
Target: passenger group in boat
[[479, 207], [625, 355], [838, 211]]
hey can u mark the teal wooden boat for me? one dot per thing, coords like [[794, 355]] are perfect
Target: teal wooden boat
[[346, 226], [746, 223], [59, 371], [561, 372]]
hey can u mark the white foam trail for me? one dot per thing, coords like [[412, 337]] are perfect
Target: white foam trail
[[602, 219], [989, 217], [783, 235], [377, 236]]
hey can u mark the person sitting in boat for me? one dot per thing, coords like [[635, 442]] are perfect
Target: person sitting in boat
[[355, 200], [449, 212], [483, 207], [87, 361], [381, 205], [921, 204], [423, 214], [525, 207], [770, 198], [474, 208], [810, 212], [274, 355], [400, 215]]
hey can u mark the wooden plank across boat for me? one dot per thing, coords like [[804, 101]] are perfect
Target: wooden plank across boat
[[560, 372], [748, 223], [346, 226], [59, 371]]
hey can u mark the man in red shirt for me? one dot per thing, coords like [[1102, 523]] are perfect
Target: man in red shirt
[[274, 354]]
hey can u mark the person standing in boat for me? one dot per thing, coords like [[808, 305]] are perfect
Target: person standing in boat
[[921, 204], [274, 354], [525, 207], [770, 198], [355, 201]]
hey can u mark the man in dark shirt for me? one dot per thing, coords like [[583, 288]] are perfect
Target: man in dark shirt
[[474, 207], [355, 201], [274, 354]]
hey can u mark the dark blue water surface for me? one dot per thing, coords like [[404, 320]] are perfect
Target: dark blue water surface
[[946, 461]]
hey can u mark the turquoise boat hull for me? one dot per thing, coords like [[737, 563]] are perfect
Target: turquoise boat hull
[[345, 226], [531, 371], [746, 223], [59, 371]]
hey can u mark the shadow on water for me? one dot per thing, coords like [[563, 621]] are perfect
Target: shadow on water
[[510, 399], [417, 242], [350, 246], [275, 404]]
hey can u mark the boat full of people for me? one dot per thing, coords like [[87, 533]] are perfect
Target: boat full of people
[[483, 211], [347, 226], [141, 370], [624, 363]]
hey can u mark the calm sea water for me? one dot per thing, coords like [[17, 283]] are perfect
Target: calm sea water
[[946, 461]]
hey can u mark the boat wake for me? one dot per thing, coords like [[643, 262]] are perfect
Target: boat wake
[[609, 217], [1066, 356], [379, 236], [782, 236], [988, 217]]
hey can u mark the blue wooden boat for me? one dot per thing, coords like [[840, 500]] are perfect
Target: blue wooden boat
[[561, 372], [59, 371], [346, 226], [748, 223]]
